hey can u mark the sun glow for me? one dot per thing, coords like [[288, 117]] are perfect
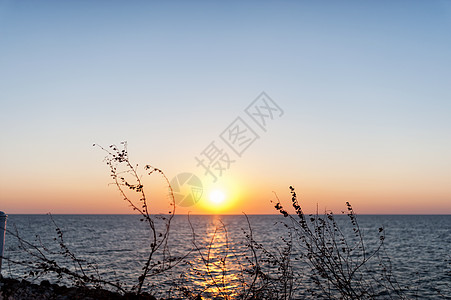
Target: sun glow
[[221, 197], [217, 197]]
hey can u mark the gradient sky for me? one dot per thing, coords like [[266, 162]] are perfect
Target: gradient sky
[[365, 87]]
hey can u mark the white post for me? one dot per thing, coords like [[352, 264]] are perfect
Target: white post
[[3, 217]]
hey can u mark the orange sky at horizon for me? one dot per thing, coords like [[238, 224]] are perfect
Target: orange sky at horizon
[[241, 196]]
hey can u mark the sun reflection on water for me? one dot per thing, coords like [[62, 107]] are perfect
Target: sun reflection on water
[[217, 269]]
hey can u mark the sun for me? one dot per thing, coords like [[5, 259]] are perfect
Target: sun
[[217, 197]]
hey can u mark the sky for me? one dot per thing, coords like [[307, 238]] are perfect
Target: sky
[[358, 103]]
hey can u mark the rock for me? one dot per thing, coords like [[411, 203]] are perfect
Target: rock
[[45, 283], [12, 289]]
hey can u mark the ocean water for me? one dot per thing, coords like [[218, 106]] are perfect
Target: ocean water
[[216, 254]]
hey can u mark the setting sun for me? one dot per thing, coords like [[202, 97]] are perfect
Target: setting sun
[[221, 198], [217, 197]]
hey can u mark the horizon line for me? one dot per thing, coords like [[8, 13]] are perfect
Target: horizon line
[[249, 214]]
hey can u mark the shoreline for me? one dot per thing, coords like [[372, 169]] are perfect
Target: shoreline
[[14, 289]]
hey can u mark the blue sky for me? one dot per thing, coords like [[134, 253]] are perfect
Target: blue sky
[[364, 86]]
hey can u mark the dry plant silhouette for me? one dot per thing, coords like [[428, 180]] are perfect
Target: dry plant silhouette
[[127, 179], [41, 260], [341, 264]]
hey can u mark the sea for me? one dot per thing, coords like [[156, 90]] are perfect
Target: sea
[[212, 256]]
